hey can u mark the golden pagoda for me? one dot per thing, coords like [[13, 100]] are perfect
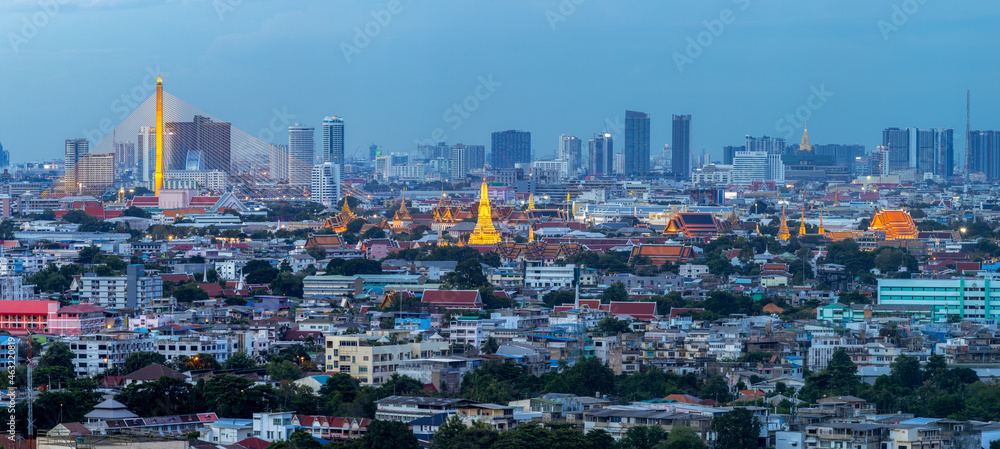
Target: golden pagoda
[[484, 233], [531, 201], [821, 231], [531, 233], [783, 233], [802, 224], [733, 217], [805, 146], [402, 219]]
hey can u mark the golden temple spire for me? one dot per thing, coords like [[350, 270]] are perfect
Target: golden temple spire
[[802, 224], [346, 210], [531, 233], [783, 233], [836, 197], [821, 231], [733, 217], [484, 233], [805, 146], [531, 201]]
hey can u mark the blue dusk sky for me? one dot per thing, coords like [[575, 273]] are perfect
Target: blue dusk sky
[[402, 71]]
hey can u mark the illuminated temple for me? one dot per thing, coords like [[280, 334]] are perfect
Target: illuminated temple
[[338, 223], [896, 224], [484, 233]]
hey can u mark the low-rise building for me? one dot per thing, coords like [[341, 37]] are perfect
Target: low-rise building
[[95, 353], [371, 364], [409, 408], [500, 417]]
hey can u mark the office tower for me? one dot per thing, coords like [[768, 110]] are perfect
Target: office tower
[[946, 157], [769, 145], [477, 157], [459, 162], [430, 152], [897, 143], [75, 149], [775, 168], [94, 172], [279, 162], [333, 140], [373, 152], [326, 184], [729, 151], [619, 164], [570, 148], [926, 150], [636, 143], [509, 148], [4, 157], [984, 153], [212, 139], [680, 143], [382, 165], [300, 155], [124, 155], [749, 166], [601, 157], [843, 154], [146, 150]]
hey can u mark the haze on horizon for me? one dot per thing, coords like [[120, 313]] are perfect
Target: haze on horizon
[[393, 69]]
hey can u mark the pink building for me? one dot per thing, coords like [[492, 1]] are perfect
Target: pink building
[[78, 319], [27, 316]]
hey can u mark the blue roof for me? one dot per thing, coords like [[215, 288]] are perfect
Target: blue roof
[[921, 421], [433, 420], [547, 337]]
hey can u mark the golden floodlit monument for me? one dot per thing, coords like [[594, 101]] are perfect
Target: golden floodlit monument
[[158, 180], [783, 233], [484, 233]]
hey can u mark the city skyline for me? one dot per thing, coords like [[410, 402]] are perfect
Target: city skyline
[[487, 93]]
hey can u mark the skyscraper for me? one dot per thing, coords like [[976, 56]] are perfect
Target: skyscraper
[[984, 153], [570, 148], [636, 143], [300, 155], [373, 152], [212, 139], [146, 150], [729, 151], [843, 154], [897, 143], [769, 145], [459, 162], [749, 166], [477, 157], [4, 157], [680, 143], [946, 157], [279, 162], [326, 184], [124, 155], [333, 140], [927, 143], [509, 148], [601, 157], [75, 149]]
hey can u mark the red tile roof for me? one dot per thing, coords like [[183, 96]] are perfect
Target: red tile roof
[[453, 299], [28, 307], [645, 311]]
